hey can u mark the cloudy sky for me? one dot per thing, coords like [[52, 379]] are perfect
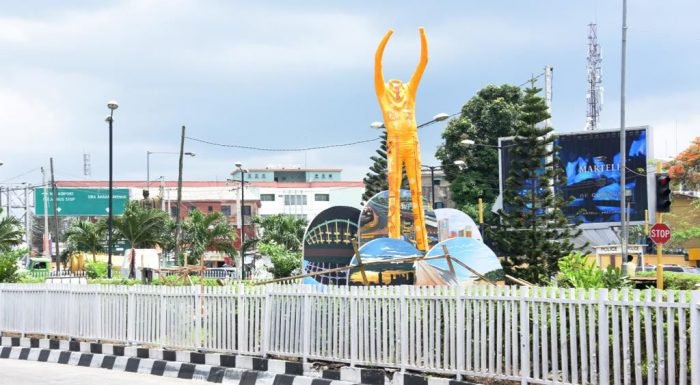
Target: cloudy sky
[[294, 74]]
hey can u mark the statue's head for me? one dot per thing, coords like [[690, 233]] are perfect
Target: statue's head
[[145, 194], [397, 90]]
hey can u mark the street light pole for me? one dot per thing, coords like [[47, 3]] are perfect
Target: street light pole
[[148, 171], [148, 164], [240, 168], [623, 146], [112, 105]]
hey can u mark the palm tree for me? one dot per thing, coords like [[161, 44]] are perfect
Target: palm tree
[[140, 226], [11, 233], [207, 232], [283, 229], [87, 236]]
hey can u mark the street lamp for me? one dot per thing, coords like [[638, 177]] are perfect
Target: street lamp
[[239, 166], [437, 118], [148, 163], [459, 163], [112, 105]]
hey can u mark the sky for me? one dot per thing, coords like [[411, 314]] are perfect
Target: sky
[[297, 74]]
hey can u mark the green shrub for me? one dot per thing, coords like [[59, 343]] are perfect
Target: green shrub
[[8, 265], [96, 269], [26, 278], [676, 281], [114, 281], [681, 281], [284, 262], [576, 270]]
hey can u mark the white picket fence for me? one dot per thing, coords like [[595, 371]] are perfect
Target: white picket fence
[[535, 335]]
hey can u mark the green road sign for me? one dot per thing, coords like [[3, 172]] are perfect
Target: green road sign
[[81, 202]]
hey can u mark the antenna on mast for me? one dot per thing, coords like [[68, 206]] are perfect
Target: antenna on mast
[[594, 95]]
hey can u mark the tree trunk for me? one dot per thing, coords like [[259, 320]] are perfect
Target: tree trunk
[[132, 265]]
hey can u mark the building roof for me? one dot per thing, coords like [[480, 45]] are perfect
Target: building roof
[[203, 184], [292, 169]]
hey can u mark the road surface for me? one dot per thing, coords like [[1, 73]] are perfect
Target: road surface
[[17, 372]]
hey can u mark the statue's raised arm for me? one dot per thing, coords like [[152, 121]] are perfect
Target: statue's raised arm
[[422, 63], [378, 72]]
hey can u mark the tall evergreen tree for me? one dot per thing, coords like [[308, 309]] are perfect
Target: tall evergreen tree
[[376, 179], [533, 233], [492, 113]]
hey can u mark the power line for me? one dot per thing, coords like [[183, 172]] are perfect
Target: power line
[[268, 149]]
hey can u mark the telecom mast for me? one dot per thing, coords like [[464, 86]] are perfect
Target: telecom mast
[[594, 96]]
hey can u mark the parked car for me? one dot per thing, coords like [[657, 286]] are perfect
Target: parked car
[[39, 267]]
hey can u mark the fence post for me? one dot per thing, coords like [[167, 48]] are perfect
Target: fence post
[[241, 319], [163, 315], [460, 332], [353, 325], [2, 307], [195, 290], [603, 342], [131, 317], [694, 338], [404, 327], [306, 324], [267, 303], [524, 336]]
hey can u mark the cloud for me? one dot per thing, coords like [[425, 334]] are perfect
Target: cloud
[[674, 118]]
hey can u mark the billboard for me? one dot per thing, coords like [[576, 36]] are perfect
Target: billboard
[[81, 202], [591, 162]]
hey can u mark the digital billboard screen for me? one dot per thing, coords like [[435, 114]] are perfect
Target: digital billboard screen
[[591, 162]]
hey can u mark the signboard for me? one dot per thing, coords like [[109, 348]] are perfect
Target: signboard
[[660, 233], [81, 202], [591, 162]]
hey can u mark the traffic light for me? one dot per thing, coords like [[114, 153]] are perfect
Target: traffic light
[[663, 193]]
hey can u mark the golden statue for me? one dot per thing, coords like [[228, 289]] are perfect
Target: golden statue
[[398, 101]]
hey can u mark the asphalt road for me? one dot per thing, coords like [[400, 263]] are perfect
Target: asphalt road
[[16, 372]]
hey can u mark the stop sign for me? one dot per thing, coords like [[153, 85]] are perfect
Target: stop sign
[[660, 233]]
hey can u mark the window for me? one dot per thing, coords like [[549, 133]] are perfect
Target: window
[[255, 176], [246, 210], [295, 200], [210, 209], [322, 197], [436, 182], [173, 211], [267, 197], [323, 176], [226, 211], [330, 176], [315, 176]]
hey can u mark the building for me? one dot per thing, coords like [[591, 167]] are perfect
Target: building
[[295, 191], [437, 182]]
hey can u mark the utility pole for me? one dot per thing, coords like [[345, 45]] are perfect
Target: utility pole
[[47, 239], [623, 145], [179, 198], [242, 268], [548, 72], [55, 219], [162, 193], [27, 228]]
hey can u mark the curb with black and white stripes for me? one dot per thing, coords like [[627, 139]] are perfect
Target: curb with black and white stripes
[[212, 367]]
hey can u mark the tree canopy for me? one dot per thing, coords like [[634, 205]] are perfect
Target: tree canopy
[[533, 233], [11, 233], [684, 170], [492, 113], [87, 236], [207, 232]]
